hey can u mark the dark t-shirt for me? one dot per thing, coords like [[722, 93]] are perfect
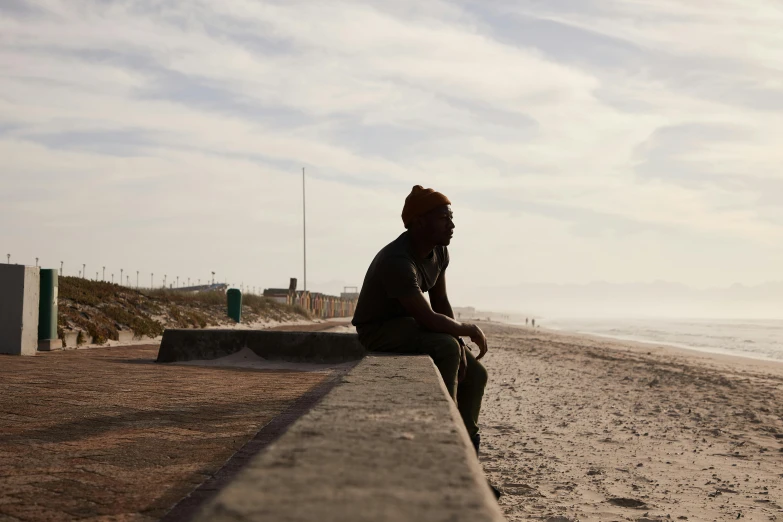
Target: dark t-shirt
[[395, 272]]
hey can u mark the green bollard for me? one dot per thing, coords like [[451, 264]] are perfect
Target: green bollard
[[234, 297], [47, 311]]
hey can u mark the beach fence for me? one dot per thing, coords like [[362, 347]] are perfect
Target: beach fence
[[318, 305]]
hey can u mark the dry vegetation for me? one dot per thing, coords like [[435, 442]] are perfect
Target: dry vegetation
[[101, 310]]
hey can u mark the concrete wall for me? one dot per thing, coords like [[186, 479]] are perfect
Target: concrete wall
[[387, 444], [318, 347], [19, 294]]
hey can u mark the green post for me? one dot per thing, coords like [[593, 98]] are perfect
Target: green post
[[47, 305], [234, 297]]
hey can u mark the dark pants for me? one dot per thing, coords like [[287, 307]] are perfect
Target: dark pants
[[404, 335]]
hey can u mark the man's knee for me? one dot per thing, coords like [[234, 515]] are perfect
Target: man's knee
[[445, 347], [480, 375], [476, 374]]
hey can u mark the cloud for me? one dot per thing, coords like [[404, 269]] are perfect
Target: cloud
[[588, 126]]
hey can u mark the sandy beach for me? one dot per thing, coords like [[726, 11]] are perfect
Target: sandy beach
[[579, 428]]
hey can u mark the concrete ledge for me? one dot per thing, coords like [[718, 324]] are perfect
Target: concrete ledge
[[387, 444], [48, 345], [316, 347], [125, 336]]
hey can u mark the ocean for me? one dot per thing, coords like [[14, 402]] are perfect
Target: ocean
[[758, 339]]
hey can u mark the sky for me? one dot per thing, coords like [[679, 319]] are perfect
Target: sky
[[622, 141]]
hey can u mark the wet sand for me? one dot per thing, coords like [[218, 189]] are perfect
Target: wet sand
[[585, 428]]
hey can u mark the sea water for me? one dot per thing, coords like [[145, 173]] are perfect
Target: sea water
[[759, 339]]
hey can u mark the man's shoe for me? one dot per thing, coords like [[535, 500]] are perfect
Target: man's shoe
[[476, 440], [495, 490]]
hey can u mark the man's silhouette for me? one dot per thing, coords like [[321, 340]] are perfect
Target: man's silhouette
[[392, 314]]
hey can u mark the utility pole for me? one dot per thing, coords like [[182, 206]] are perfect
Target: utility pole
[[84, 270], [164, 280], [103, 277], [152, 285], [120, 276], [304, 228], [137, 279], [61, 268], [177, 281], [112, 279]]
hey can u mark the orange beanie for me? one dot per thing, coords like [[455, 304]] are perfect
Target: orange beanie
[[420, 201]]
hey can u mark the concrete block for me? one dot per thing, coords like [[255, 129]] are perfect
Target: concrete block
[[47, 345], [125, 336], [318, 347], [387, 444], [70, 338], [19, 293]]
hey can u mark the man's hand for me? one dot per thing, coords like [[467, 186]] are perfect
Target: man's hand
[[418, 307], [478, 337]]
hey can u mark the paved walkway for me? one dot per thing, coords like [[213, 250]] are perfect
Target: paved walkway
[[106, 434]]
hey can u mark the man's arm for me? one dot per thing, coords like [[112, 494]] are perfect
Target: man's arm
[[438, 321], [439, 298]]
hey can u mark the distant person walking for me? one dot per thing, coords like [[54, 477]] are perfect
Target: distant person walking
[[392, 314], [534, 323]]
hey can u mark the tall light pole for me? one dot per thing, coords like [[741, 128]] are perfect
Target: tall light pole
[[164, 280], [188, 281], [304, 228], [84, 270], [112, 279], [36, 261], [177, 281], [61, 268], [103, 277], [120, 276], [96, 276], [213, 276], [137, 279], [152, 285], [127, 281]]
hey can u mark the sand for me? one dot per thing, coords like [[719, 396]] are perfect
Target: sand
[[583, 428]]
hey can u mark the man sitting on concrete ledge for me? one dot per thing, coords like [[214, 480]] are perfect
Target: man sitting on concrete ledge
[[393, 315]]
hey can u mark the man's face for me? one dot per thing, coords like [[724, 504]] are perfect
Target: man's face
[[438, 225]]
